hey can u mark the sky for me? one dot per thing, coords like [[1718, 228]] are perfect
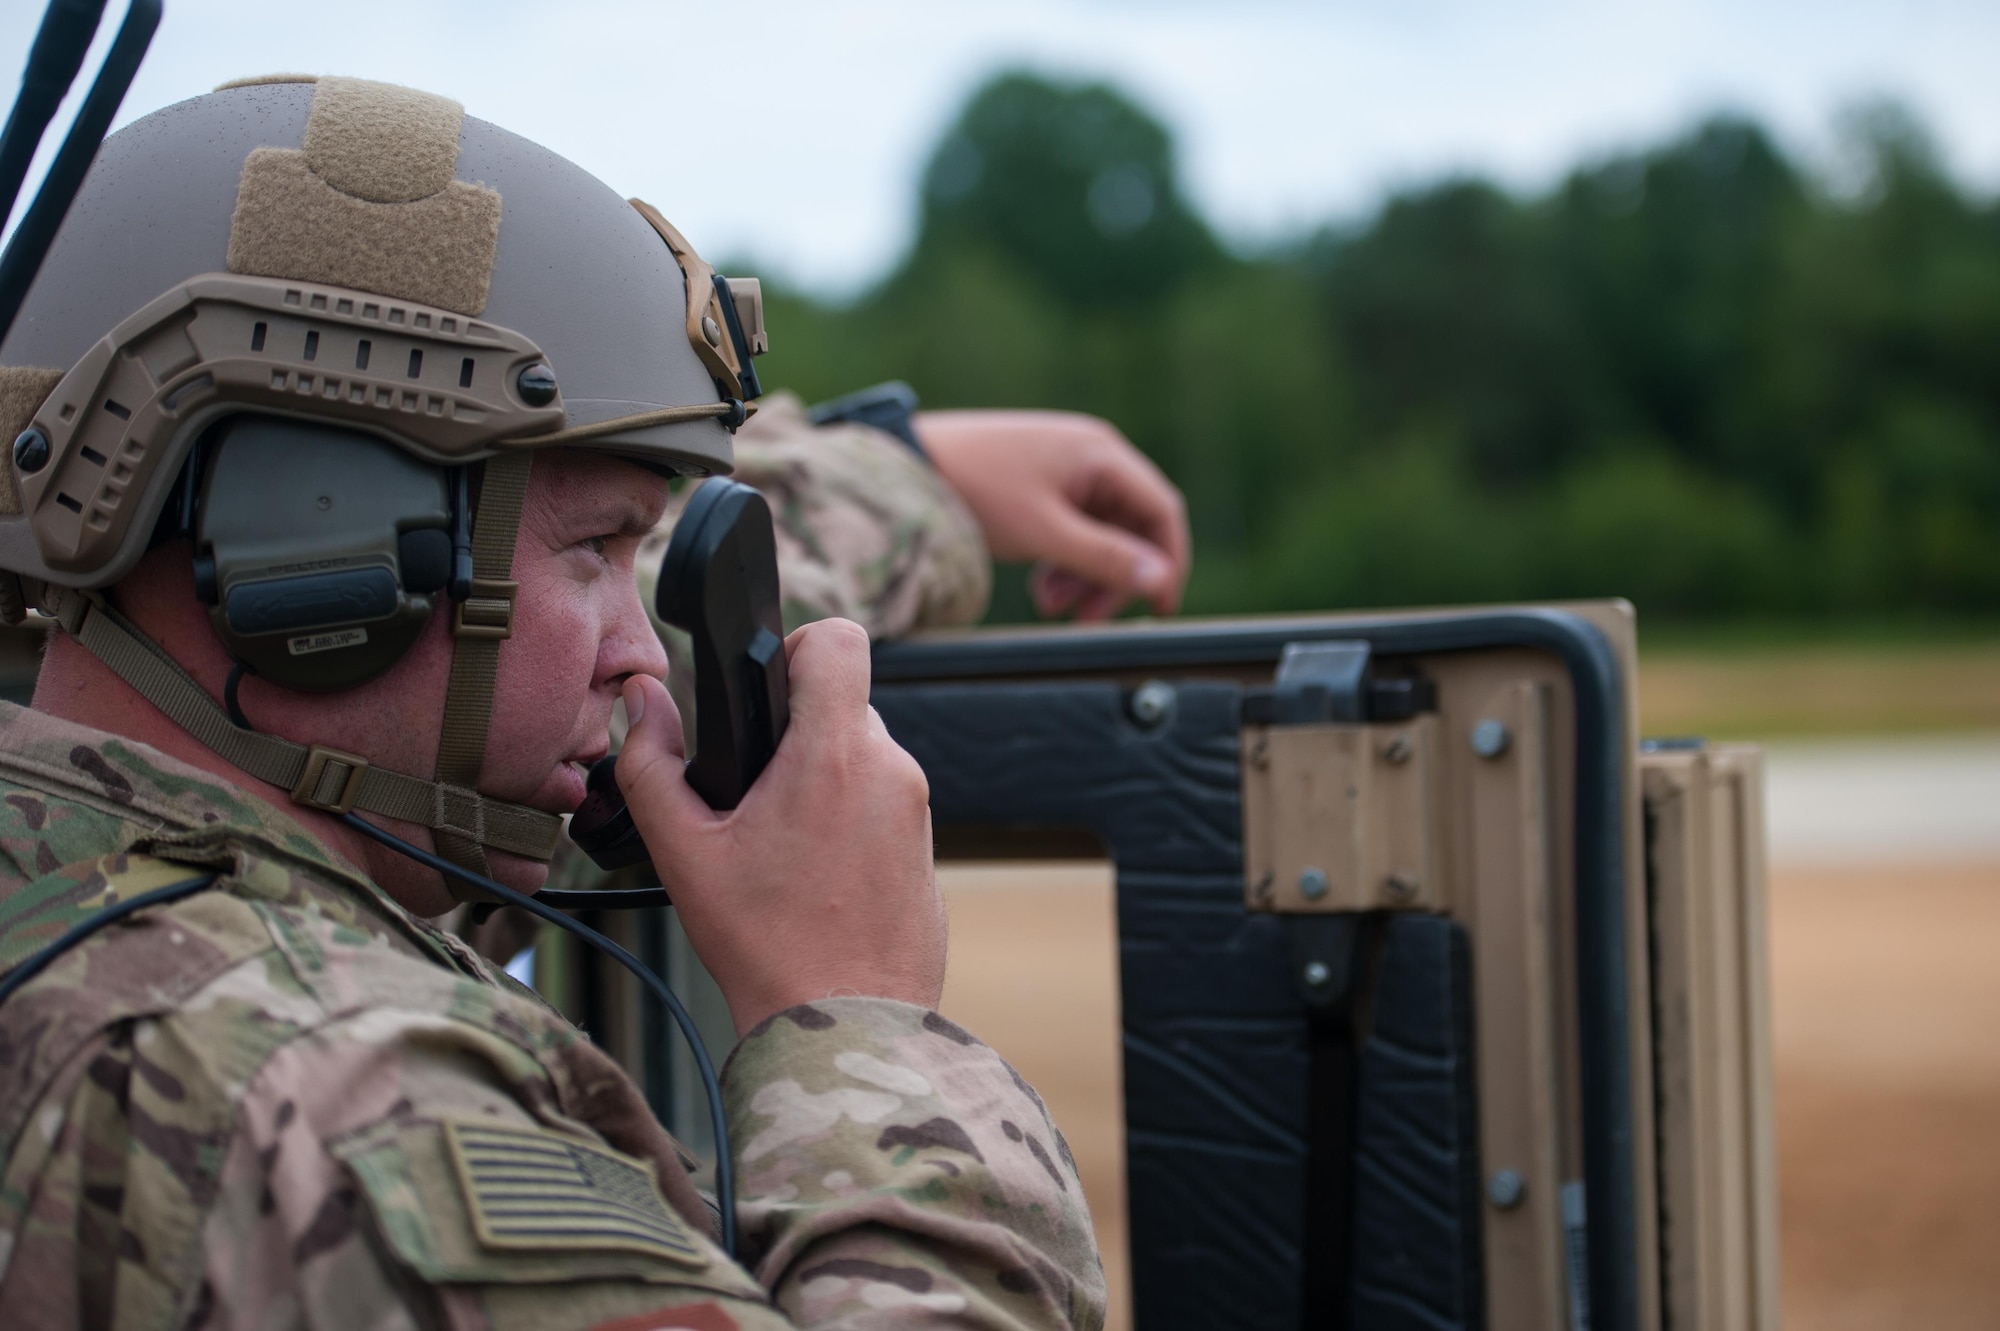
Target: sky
[[790, 133]]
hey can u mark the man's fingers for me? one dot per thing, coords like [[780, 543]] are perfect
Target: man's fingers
[[830, 671], [1109, 557]]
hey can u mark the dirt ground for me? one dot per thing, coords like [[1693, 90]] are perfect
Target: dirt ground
[[1888, 1050]]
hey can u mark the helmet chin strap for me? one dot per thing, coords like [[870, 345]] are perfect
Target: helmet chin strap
[[464, 824], [480, 623]]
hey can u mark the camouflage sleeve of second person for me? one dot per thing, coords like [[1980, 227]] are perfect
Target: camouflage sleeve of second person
[[866, 529]]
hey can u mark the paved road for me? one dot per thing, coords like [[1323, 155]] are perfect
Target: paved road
[[1885, 801]]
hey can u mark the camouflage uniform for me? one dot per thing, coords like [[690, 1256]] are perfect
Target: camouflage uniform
[[284, 1102], [866, 530]]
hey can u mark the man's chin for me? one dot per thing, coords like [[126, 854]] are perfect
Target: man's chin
[[516, 871]]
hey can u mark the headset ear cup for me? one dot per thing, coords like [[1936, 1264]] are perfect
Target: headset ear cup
[[322, 549]]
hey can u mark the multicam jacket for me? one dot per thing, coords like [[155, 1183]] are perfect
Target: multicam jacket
[[866, 530], [285, 1102]]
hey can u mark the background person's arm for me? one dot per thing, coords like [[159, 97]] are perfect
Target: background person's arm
[[1070, 494]]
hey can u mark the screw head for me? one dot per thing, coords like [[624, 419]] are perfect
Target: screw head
[[1316, 973], [31, 450], [1400, 886], [1397, 751], [1489, 738], [1152, 704], [1312, 883], [1506, 1189], [711, 331], [536, 384]]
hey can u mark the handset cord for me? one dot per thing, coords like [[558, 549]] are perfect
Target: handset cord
[[725, 1169]]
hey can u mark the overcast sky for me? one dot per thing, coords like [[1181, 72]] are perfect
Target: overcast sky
[[791, 131]]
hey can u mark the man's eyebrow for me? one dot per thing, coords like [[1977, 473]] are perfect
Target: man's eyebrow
[[624, 518]]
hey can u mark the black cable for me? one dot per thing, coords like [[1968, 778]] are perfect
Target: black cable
[[35, 964], [620, 898], [37, 232], [725, 1168]]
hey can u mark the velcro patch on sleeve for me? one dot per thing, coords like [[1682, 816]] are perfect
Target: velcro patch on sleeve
[[528, 1189]]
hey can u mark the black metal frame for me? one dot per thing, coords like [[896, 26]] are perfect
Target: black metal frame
[[944, 697]]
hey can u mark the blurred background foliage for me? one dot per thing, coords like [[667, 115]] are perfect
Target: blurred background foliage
[[1698, 375]]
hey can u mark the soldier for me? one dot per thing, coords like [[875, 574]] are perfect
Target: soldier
[[353, 412]]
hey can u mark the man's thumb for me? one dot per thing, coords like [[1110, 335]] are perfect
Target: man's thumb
[[653, 732]]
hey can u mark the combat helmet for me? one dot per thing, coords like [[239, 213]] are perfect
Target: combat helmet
[[318, 327]]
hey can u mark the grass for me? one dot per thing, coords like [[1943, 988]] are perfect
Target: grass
[[1741, 687]]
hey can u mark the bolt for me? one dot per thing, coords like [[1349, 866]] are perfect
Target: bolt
[[1260, 754], [1152, 703], [31, 451], [537, 384], [1317, 973], [323, 503], [1397, 751], [1312, 883], [1401, 886], [1489, 738], [1506, 1189], [710, 331]]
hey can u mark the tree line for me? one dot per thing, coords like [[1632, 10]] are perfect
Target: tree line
[[1700, 375]]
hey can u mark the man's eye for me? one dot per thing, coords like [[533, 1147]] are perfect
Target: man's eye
[[595, 544]]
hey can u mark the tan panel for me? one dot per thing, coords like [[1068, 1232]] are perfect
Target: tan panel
[[1510, 882], [1740, 767], [1340, 817], [1711, 1010]]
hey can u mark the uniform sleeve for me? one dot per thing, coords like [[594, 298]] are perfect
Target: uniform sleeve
[[893, 1170], [400, 1169], [866, 530]]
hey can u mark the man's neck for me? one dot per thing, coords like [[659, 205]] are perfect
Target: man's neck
[[76, 686]]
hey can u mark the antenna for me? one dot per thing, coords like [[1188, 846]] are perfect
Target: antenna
[[53, 63]]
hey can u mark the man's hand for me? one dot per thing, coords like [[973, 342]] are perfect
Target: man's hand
[[1070, 492], [820, 883]]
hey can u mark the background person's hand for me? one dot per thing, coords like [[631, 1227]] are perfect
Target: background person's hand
[[1070, 493], [820, 883]]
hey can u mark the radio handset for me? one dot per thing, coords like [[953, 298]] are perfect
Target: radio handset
[[719, 582]]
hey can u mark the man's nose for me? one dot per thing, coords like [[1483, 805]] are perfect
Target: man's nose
[[631, 647]]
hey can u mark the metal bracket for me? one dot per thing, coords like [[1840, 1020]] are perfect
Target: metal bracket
[[1338, 811]]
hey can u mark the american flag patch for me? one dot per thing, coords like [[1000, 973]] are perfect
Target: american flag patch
[[530, 1189]]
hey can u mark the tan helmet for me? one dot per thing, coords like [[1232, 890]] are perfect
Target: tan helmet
[[344, 259]]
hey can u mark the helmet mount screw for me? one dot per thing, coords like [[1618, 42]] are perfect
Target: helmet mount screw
[[1490, 738], [536, 384], [31, 450], [711, 331]]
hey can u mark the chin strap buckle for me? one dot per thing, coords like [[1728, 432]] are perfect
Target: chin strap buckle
[[331, 780], [488, 612]]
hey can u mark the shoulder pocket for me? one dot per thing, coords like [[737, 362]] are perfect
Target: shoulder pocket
[[481, 1200]]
